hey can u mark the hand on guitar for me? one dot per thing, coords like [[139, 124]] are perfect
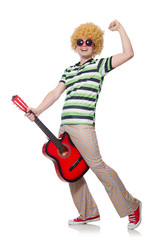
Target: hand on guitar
[[31, 115]]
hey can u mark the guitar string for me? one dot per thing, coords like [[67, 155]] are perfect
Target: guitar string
[[49, 134]]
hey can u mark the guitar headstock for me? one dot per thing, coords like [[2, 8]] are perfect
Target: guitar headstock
[[20, 103]]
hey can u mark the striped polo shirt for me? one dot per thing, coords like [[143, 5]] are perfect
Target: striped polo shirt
[[83, 85]]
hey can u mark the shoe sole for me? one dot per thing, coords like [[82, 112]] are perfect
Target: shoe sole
[[132, 227], [71, 222]]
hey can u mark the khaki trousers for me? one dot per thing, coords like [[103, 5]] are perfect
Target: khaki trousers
[[85, 140]]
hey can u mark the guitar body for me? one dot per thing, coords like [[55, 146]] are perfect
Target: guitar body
[[69, 166]]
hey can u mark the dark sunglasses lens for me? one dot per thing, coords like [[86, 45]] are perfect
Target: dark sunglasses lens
[[79, 42], [89, 42]]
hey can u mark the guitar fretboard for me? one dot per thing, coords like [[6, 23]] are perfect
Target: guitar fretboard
[[48, 133]]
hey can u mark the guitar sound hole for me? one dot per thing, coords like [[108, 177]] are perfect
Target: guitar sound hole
[[64, 151]]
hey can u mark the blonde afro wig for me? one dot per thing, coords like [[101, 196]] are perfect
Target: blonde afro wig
[[91, 31]]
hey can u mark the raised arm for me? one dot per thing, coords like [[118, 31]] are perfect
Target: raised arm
[[50, 98], [127, 53]]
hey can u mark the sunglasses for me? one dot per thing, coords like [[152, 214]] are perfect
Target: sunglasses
[[88, 42]]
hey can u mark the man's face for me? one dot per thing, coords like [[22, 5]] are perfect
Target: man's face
[[85, 51]]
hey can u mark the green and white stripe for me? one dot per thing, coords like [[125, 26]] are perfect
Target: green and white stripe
[[83, 85]]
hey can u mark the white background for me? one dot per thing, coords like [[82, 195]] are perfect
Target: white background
[[34, 51]]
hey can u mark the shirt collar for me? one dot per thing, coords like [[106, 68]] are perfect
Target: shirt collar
[[78, 64]]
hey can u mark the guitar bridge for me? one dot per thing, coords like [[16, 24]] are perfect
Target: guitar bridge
[[75, 164]]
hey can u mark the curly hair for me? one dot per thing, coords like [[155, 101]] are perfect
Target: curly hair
[[88, 30]]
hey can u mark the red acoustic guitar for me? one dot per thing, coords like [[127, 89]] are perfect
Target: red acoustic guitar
[[69, 164]]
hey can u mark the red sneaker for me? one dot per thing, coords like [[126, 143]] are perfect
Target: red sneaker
[[80, 221], [135, 218]]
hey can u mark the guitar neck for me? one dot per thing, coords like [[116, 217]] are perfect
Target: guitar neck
[[23, 106], [48, 133]]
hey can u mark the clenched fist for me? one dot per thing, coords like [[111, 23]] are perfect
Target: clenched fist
[[115, 26]]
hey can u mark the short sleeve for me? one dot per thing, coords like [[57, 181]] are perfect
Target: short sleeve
[[104, 65], [63, 78]]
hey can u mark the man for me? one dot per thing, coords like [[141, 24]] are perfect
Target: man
[[83, 82]]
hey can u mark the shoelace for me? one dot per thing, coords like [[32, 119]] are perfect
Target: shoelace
[[132, 218]]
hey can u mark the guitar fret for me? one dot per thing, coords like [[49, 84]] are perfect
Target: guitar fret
[[48, 133], [23, 106]]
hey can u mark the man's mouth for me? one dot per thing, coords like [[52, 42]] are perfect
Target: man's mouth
[[84, 50]]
